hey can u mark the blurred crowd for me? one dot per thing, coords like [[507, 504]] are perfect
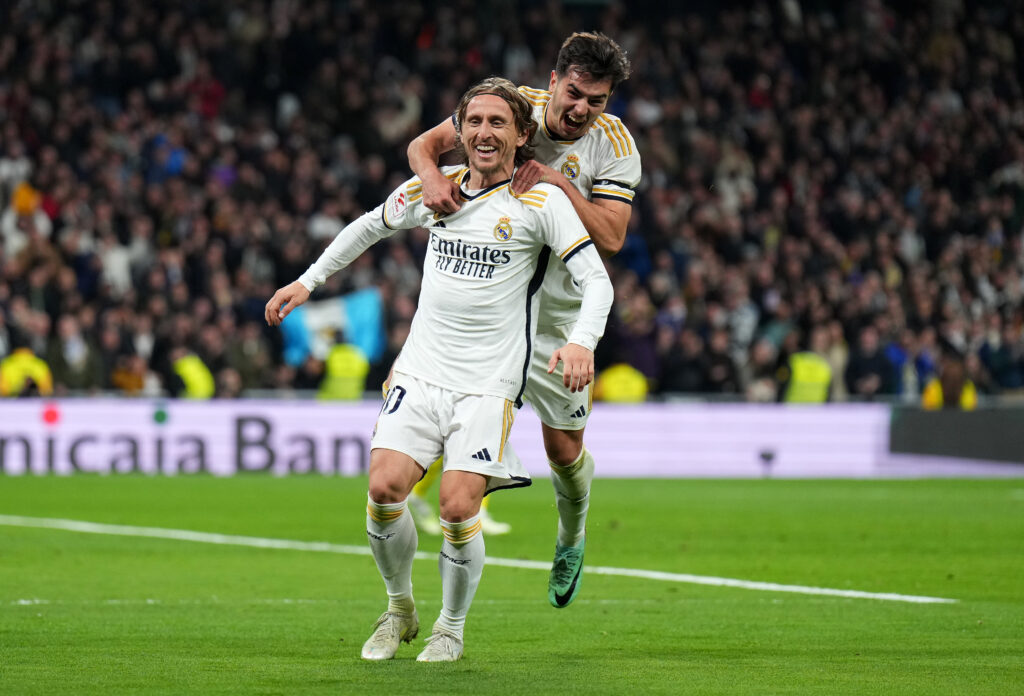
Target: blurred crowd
[[842, 178]]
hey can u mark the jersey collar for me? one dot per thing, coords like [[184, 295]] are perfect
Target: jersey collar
[[466, 197]]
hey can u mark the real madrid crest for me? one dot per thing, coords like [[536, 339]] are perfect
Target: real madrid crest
[[503, 230], [571, 166]]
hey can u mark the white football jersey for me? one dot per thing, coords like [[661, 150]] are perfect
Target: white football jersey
[[602, 163], [473, 329]]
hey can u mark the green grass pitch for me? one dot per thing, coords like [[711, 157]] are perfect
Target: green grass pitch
[[101, 614]]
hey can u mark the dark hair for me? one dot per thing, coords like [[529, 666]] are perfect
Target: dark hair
[[522, 114], [596, 54]]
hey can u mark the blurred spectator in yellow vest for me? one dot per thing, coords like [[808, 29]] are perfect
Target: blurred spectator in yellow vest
[[807, 378], [22, 373], [344, 373], [951, 388], [620, 383], [196, 379]]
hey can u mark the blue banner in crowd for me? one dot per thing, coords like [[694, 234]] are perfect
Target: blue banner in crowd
[[315, 326]]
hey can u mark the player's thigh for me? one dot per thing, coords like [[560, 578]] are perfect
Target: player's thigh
[[477, 435], [461, 494], [392, 475], [409, 422], [554, 404], [562, 447]]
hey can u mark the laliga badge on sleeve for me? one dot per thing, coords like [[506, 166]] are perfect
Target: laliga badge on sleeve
[[396, 206]]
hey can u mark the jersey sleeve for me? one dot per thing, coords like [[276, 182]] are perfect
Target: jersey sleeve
[[564, 231], [619, 174], [400, 211], [568, 238], [403, 208]]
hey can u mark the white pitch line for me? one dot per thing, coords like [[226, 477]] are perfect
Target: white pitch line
[[326, 547], [196, 601]]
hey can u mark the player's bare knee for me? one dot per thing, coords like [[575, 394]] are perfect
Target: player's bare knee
[[385, 491], [458, 508], [564, 456], [384, 496], [392, 476]]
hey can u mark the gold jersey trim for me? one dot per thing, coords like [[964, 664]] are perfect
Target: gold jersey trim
[[506, 426], [628, 195], [582, 240]]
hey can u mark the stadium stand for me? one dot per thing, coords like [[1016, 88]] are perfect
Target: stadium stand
[[854, 166]]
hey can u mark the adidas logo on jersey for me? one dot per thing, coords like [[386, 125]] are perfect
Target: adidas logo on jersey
[[483, 455]]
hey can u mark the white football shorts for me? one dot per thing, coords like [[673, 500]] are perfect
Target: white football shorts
[[425, 421], [555, 405]]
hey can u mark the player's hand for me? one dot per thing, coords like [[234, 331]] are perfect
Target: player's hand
[[441, 194], [284, 301], [578, 366], [529, 174]]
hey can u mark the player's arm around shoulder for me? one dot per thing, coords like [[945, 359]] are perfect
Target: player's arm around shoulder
[[440, 194]]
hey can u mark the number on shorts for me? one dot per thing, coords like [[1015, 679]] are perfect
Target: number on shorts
[[395, 390]]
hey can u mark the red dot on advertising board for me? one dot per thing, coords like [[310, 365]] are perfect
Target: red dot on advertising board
[[50, 414]]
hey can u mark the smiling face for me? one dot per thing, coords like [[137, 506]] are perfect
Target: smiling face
[[490, 139], [576, 101]]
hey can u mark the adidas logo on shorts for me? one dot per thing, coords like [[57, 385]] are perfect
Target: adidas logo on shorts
[[483, 455]]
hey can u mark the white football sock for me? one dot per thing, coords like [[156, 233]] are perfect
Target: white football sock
[[572, 496], [461, 563], [393, 540]]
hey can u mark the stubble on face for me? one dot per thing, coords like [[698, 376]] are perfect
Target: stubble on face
[[490, 140]]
